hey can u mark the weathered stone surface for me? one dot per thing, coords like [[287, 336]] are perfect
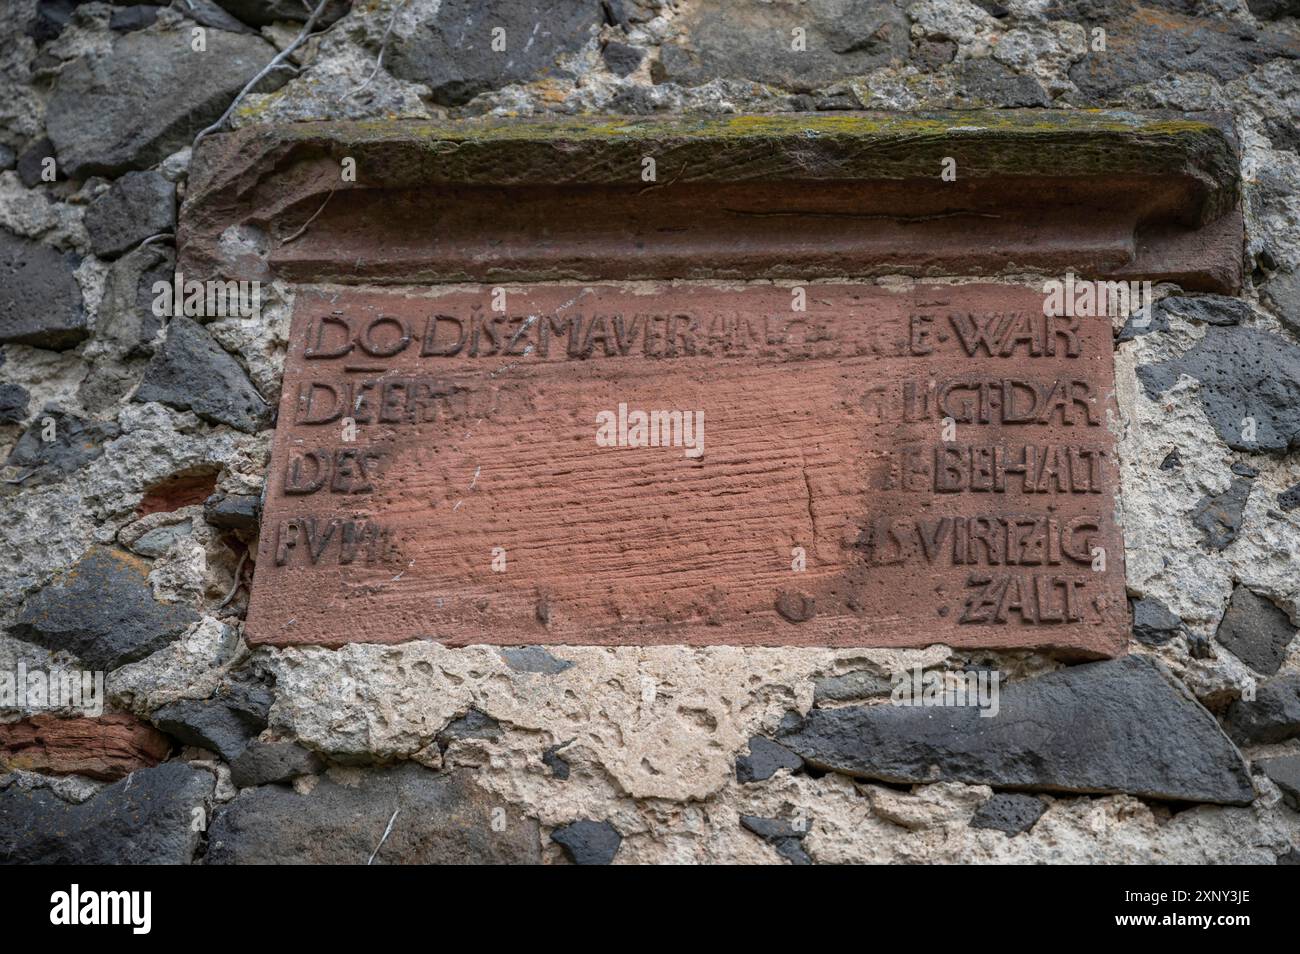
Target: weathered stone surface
[[1153, 623], [781, 835], [1070, 731], [588, 842], [533, 659], [1149, 44], [233, 511], [764, 759], [194, 373], [31, 163], [146, 98], [1289, 499], [440, 818], [1010, 813], [1218, 516], [729, 174], [225, 723], [621, 58], [102, 610], [452, 53], [40, 300], [265, 762], [1255, 630], [35, 462], [1272, 716], [755, 41], [13, 403], [1282, 292], [146, 818], [133, 18], [127, 323], [208, 13], [135, 207], [552, 759], [1246, 374], [1285, 774], [1274, 9], [472, 725], [105, 748], [986, 82], [851, 687], [266, 12], [1202, 309], [868, 580]]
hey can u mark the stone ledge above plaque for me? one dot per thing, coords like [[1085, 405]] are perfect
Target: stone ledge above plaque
[[532, 398], [1107, 194]]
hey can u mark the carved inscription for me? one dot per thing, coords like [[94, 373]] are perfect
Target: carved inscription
[[837, 465]]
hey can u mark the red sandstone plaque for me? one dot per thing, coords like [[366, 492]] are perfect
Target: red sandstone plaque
[[694, 464]]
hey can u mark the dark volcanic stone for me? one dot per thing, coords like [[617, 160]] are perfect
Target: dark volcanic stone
[[1149, 44], [1124, 725], [435, 818], [146, 818], [986, 82], [1289, 499], [754, 42], [1219, 517], [37, 462], [452, 53], [1282, 293], [127, 321], [233, 511], [132, 18], [850, 687], [146, 98], [588, 842], [1153, 623], [1172, 461], [265, 762], [1274, 9], [135, 207], [621, 58], [472, 725], [781, 835], [40, 300], [266, 12], [50, 19], [193, 372], [1244, 372], [226, 723], [934, 52], [534, 659], [552, 759], [1272, 716], [102, 610], [1255, 631], [1285, 774], [31, 162], [764, 759], [1009, 813], [1205, 309], [13, 403], [207, 13]]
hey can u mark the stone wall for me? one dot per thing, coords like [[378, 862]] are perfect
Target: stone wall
[[128, 534]]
